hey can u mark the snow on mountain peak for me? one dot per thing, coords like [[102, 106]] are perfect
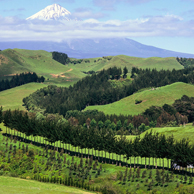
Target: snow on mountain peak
[[53, 12]]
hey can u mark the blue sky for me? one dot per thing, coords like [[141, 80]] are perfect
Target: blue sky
[[165, 24]]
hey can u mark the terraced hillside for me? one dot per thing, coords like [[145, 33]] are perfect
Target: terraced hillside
[[150, 97]]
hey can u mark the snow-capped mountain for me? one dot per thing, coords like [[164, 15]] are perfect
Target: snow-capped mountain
[[53, 12]]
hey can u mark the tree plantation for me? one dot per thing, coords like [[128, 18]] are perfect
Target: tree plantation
[[157, 146]]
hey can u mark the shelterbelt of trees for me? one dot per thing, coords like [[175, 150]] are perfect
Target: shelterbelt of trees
[[151, 145], [21, 79], [97, 90]]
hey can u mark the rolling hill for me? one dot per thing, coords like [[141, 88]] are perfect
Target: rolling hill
[[19, 60], [178, 133], [150, 97], [15, 61]]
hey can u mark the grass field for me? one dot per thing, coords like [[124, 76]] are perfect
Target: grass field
[[10, 185], [152, 62], [157, 97], [12, 98], [179, 133], [13, 61], [20, 60]]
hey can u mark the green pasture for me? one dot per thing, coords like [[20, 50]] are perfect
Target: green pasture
[[41, 62], [152, 62], [12, 98], [16, 61], [20, 60], [150, 97], [178, 133], [97, 64], [10, 185]]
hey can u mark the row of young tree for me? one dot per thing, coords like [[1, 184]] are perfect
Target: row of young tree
[[97, 90], [18, 80], [151, 145]]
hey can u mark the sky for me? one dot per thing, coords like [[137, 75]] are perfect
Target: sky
[[164, 24]]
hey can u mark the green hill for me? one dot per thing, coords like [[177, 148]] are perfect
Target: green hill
[[14, 61], [179, 133], [153, 62], [15, 186], [12, 98], [97, 64], [156, 97], [19, 60]]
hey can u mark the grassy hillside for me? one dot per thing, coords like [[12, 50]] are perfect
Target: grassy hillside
[[178, 132], [97, 64], [12, 98], [19, 60], [153, 62], [14, 61], [156, 97], [15, 186]]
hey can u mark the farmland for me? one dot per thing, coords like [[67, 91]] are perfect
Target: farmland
[[84, 164]]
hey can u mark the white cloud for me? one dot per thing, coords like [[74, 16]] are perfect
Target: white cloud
[[87, 13], [109, 4], [14, 29]]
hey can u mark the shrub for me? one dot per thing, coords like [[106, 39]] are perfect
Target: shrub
[[138, 101], [108, 188]]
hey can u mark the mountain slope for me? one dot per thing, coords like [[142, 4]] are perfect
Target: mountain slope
[[90, 48], [157, 97], [53, 12]]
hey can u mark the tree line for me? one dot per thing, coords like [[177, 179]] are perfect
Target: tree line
[[151, 145], [21, 79]]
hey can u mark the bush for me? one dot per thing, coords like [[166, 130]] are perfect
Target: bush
[[185, 189], [108, 188], [138, 101]]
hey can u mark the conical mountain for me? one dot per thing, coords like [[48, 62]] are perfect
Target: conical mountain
[[53, 12]]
